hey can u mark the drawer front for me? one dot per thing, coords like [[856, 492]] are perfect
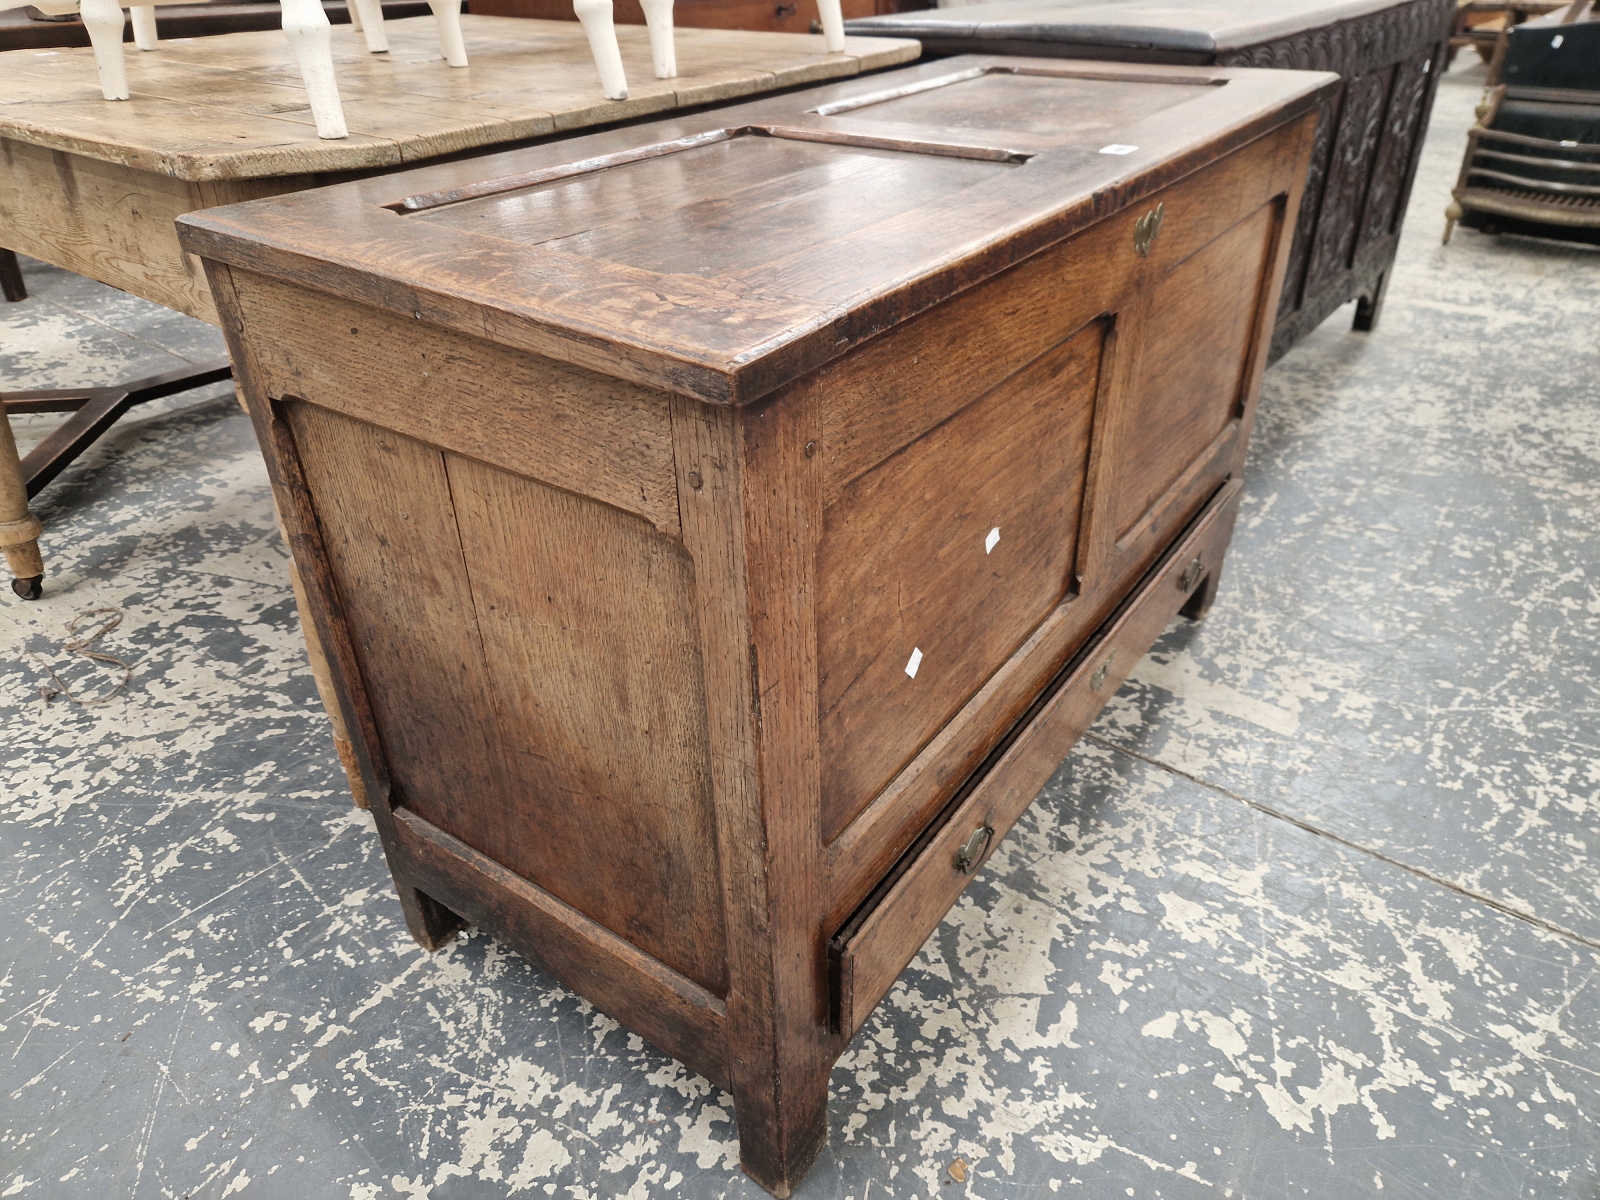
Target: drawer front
[[936, 565], [877, 943]]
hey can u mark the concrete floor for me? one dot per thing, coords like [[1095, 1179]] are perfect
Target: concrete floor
[[1314, 911]]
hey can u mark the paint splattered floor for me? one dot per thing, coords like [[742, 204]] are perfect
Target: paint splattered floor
[[1315, 911]]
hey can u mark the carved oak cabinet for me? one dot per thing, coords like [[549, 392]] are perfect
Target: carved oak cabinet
[[721, 528], [1389, 55]]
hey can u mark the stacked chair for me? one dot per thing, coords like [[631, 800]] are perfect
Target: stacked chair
[[310, 37], [1532, 165]]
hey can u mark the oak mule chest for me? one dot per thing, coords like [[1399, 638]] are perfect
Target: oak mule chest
[[721, 528]]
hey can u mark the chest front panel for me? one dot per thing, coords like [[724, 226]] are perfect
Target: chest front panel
[[936, 564]]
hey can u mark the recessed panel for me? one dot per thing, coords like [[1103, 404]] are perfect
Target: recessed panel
[[720, 208], [935, 566], [1191, 376], [532, 662]]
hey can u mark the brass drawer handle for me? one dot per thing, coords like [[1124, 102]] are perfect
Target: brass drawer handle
[[1191, 576], [1146, 228], [971, 855], [1101, 672]]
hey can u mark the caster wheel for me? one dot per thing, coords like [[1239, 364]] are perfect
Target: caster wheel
[[30, 588]]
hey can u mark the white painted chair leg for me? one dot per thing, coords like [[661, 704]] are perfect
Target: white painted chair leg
[[663, 52], [448, 15], [354, 10], [832, 25], [602, 33], [144, 26], [371, 12], [103, 20], [306, 27]]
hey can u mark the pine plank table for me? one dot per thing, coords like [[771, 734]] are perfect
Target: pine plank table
[[95, 187]]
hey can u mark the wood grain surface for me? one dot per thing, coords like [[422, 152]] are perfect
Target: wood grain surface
[[869, 954], [565, 426], [722, 724], [233, 106], [734, 312], [550, 677], [908, 566]]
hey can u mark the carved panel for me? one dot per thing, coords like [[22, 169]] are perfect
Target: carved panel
[[1310, 206], [1354, 148], [1366, 144], [1402, 127]]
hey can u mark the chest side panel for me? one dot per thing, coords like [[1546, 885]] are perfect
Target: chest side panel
[[531, 659], [937, 563]]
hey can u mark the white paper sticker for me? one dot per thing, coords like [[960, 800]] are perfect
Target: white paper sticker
[[993, 540], [916, 661], [1117, 148], [1555, 42]]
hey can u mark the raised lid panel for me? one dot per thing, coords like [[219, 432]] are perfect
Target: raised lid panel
[[531, 659], [712, 296], [718, 208], [934, 566]]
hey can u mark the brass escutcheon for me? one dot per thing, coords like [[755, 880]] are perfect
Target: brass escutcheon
[[1146, 228]]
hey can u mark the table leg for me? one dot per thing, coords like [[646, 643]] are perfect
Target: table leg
[[94, 410], [1370, 308], [306, 27], [11, 281], [19, 528], [104, 22], [598, 25]]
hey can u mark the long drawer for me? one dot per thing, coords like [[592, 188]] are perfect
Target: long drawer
[[875, 945]]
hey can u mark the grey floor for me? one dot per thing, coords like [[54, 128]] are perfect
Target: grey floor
[[1313, 912]]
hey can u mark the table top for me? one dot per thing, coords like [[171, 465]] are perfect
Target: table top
[[720, 254], [233, 106], [1216, 26]]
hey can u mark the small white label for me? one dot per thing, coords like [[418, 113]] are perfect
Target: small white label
[[993, 540], [1117, 148], [1555, 42], [1569, 143], [916, 661]]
